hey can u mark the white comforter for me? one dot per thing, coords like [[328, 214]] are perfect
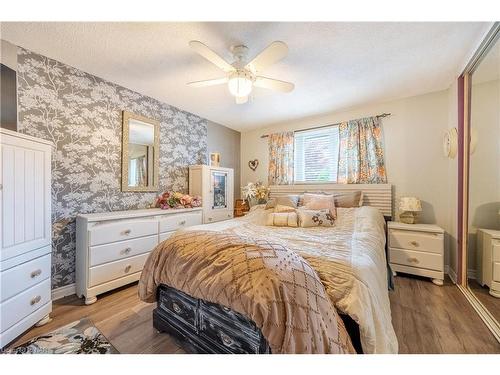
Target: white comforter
[[350, 260]]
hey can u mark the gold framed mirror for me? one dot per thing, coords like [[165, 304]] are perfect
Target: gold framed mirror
[[140, 153]]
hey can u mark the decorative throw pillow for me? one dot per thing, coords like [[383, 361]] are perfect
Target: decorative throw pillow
[[320, 202], [280, 208], [349, 200], [315, 218], [282, 219], [287, 200]]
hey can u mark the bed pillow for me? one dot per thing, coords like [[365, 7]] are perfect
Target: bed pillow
[[287, 200], [282, 219], [280, 208], [315, 218], [320, 202], [349, 200]]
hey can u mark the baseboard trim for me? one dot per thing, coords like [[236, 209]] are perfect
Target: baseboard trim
[[451, 273], [63, 291], [471, 274]]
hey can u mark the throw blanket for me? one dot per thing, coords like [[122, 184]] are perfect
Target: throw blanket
[[265, 281]]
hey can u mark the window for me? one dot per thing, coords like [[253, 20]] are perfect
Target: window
[[316, 155]]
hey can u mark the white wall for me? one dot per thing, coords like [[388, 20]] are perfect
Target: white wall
[[413, 151]]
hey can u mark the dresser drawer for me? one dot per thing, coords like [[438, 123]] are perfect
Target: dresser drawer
[[24, 276], [120, 250], [496, 250], [416, 259], [174, 222], [179, 306], [227, 338], [114, 270], [17, 308], [496, 271], [165, 236], [121, 230], [420, 241], [219, 215]]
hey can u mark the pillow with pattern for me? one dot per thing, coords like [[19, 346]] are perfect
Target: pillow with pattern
[[320, 202], [315, 218], [282, 219]]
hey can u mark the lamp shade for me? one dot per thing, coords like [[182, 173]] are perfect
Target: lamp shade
[[410, 204]]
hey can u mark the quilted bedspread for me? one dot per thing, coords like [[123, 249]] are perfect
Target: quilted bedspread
[[262, 279]]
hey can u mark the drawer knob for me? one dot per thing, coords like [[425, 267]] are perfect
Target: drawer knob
[[226, 340], [127, 268], [127, 231], [228, 215], [176, 308], [209, 219], [414, 243], [36, 273], [127, 250], [413, 260], [182, 222], [35, 300]]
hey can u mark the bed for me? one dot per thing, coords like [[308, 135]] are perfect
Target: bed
[[345, 279]]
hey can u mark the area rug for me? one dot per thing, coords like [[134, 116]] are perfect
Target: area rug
[[80, 337]]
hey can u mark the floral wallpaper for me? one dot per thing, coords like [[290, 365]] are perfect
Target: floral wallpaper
[[81, 114]]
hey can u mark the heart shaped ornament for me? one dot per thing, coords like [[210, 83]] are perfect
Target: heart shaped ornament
[[253, 164]]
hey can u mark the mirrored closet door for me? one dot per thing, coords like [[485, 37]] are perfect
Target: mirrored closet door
[[483, 206]]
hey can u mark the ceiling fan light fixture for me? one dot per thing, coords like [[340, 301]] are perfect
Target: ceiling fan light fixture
[[240, 83]]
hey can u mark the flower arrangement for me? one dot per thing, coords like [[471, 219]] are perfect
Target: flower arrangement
[[171, 199], [257, 191]]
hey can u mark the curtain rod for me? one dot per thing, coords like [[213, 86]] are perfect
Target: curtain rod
[[325, 126]]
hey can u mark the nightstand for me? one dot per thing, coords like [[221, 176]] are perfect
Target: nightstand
[[417, 249]]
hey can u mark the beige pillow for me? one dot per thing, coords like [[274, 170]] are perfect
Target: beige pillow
[[282, 219], [287, 200], [315, 218], [349, 200], [320, 202], [280, 208]]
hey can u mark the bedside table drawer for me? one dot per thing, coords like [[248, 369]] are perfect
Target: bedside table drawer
[[496, 271], [419, 241], [496, 250], [416, 259]]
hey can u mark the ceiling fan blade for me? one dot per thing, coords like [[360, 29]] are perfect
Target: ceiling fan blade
[[271, 54], [273, 84], [210, 55], [241, 99], [208, 82]]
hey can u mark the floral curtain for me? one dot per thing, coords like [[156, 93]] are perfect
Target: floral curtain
[[280, 170], [361, 155]]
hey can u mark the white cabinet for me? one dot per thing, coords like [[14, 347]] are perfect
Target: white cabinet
[[417, 249], [488, 259], [25, 236], [112, 247], [216, 187]]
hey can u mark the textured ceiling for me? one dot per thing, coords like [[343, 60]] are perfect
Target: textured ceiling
[[333, 65]]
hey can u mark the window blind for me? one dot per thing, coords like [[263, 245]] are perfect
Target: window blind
[[316, 155]]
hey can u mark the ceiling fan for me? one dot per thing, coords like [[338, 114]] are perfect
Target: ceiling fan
[[242, 76]]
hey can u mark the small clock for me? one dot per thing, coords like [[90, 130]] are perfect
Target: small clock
[[450, 143]]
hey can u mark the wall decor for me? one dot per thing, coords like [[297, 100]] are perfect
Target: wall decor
[[215, 159], [82, 115], [253, 164], [140, 153]]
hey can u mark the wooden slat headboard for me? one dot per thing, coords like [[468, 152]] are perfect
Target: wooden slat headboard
[[374, 195]]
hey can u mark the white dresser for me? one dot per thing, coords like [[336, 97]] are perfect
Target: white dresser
[[25, 253], [216, 187], [112, 247], [488, 259], [417, 249]]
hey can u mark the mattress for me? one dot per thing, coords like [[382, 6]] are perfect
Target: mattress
[[349, 259]]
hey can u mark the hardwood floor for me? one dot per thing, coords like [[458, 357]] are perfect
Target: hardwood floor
[[427, 319], [483, 295], [437, 319]]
